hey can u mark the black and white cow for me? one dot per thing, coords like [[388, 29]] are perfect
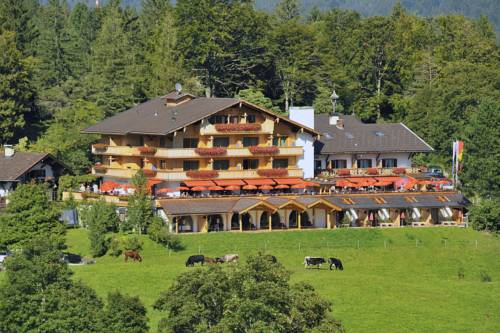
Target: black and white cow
[[334, 262], [313, 261], [195, 259]]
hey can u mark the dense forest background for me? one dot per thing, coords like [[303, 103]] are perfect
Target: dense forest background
[[65, 66]]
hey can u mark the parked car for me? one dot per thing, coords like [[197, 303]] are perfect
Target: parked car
[[434, 171]]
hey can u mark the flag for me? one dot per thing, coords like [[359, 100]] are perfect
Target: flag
[[460, 150], [453, 160]]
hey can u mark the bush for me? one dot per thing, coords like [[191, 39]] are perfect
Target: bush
[[461, 273], [484, 215], [485, 277], [121, 243], [160, 233]]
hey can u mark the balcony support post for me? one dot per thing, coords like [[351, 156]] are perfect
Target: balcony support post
[[328, 219], [299, 220], [270, 221], [240, 221]]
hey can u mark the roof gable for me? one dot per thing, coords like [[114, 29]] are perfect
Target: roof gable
[[12, 168]]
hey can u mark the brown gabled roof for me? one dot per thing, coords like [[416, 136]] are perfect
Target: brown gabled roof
[[12, 168], [155, 118], [358, 137]]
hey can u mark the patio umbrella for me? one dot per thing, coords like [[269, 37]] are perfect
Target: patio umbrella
[[249, 187], [299, 186], [382, 184], [342, 183], [183, 188], [232, 188], [265, 187], [215, 188], [281, 187], [109, 186], [312, 184], [198, 188], [164, 190]]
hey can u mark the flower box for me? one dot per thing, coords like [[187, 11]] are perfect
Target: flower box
[[202, 173], [215, 151], [279, 172], [264, 150], [237, 127], [343, 172], [149, 172], [147, 150], [123, 198], [100, 146], [99, 168], [372, 171], [399, 171], [86, 195]]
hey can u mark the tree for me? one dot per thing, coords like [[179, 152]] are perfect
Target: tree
[[253, 297], [124, 314], [38, 294], [256, 97], [30, 215], [17, 94], [484, 215], [481, 151], [160, 233], [63, 138], [100, 218], [140, 210], [19, 16], [288, 10]]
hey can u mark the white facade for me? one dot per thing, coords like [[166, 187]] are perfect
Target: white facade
[[305, 116], [403, 160]]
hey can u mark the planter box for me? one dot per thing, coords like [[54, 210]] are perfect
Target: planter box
[[86, 195], [399, 171], [147, 150], [100, 146], [264, 150], [202, 173], [272, 172], [343, 172], [237, 127], [372, 171], [215, 151]]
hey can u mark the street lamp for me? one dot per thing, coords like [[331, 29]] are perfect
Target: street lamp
[[334, 97]]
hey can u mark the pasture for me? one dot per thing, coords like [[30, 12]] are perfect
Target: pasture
[[395, 280]]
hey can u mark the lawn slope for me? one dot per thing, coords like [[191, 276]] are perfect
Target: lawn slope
[[395, 280]]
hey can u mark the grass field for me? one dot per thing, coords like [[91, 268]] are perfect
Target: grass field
[[395, 280]]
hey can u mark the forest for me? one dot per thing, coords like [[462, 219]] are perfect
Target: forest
[[66, 66]]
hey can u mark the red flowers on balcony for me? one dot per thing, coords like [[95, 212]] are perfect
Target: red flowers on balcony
[[149, 172], [278, 172], [372, 171], [100, 146], [264, 150], [237, 127], [215, 151], [146, 150], [398, 171], [202, 173], [343, 172]]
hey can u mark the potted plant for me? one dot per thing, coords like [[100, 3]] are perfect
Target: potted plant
[[215, 151], [372, 171], [146, 150], [100, 146], [264, 150], [343, 172], [237, 127]]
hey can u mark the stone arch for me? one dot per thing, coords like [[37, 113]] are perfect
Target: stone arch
[[264, 220], [215, 223], [276, 221], [185, 223], [304, 219]]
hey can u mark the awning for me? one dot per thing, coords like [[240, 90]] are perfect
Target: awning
[[230, 182], [192, 183], [391, 179], [258, 182], [288, 181], [361, 180], [312, 184], [342, 183]]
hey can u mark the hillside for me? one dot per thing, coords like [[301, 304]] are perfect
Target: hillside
[[398, 280]]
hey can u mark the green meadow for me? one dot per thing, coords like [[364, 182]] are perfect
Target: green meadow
[[395, 280]]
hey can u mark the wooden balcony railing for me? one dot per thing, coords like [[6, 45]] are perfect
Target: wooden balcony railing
[[182, 153], [369, 172]]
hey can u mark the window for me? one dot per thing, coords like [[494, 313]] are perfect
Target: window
[[365, 163], [389, 163], [280, 163], [250, 141], [221, 164], [339, 164], [163, 164], [163, 142], [317, 164], [221, 142], [250, 164], [36, 174], [141, 141], [190, 143], [251, 118], [234, 119], [190, 165], [218, 119], [280, 141]]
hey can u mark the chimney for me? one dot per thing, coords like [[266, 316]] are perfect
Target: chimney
[[340, 123], [8, 150]]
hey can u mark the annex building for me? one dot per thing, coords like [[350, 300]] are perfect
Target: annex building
[[219, 164]]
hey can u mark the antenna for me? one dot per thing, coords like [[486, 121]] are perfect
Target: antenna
[[178, 87]]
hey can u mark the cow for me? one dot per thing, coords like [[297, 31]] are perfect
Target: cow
[[194, 259], [334, 262], [134, 255], [211, 261], [229, 258], [313, 261]]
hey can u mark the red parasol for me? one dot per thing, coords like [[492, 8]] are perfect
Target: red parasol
[[281, 187], [109, 186], [232, 188], [198, 188], [265, 187], [183, 188], [299, 186], [249, 187], [215, 188]]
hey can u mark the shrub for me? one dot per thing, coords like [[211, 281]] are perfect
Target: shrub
[[485, 277], [484, 215], [160, 233], [121, 243], [461, 273]]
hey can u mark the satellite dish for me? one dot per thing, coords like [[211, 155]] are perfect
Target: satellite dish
[[178, 87]]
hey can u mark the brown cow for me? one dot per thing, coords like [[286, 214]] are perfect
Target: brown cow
[[134, 255], [210, 261]]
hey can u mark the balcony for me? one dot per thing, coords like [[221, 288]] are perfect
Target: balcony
[[368, 172], [183, 153], [181, 175], [266, 127]]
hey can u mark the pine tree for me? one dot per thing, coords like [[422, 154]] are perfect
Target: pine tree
[[17, 94], [140, 211], [19, 16]]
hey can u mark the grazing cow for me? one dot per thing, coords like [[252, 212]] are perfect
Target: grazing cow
[[194, 259], [334, 262], [211, 261], [134, 255], [313, 261], [229, 258]]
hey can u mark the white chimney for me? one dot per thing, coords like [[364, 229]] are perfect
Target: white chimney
[[8, 150], [334, 119]]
